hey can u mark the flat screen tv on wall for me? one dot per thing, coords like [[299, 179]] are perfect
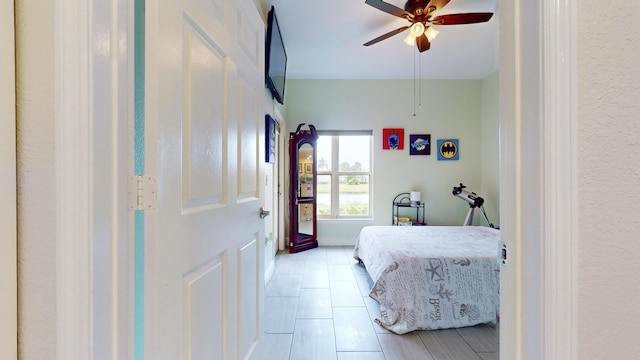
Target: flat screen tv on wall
[[276, 58]]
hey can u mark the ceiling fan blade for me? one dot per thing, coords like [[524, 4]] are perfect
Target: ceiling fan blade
[[458, 19], [423, 43], [435, 5], [390, 9], [386, 36]]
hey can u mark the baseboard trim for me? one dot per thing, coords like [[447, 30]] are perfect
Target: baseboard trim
[[268, 272], [336, 241]]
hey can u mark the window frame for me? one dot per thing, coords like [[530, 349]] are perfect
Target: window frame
[[335, 174]]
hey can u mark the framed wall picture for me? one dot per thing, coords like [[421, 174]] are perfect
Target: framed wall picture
[[270, 141], [448, 149], [308, 168], [392, 139], [420, 144]]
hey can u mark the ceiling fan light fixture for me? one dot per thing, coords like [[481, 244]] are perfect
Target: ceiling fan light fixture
[[431, 33], [410, 40], [416, 30]]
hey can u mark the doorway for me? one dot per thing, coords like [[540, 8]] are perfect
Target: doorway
[[538, 126], [514, 168]]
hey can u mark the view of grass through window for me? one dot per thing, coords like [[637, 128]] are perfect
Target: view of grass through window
[[350, 195]]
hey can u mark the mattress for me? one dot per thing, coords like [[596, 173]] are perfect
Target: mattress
[[431, 277]]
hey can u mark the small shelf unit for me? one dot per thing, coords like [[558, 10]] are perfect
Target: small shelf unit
[[403, 201]]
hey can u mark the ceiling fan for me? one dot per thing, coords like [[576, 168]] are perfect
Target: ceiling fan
[[420, 13]]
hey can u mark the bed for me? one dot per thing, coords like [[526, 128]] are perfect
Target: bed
[[431, 277]]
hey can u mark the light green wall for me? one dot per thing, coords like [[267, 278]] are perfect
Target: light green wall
[[490, 146], [450, 109]]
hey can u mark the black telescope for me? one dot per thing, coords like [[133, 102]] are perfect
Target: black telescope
[[472, 198]]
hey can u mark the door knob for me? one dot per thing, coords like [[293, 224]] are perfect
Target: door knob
[[263, 213]]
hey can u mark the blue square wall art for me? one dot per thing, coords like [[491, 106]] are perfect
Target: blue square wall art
[[448, 149]]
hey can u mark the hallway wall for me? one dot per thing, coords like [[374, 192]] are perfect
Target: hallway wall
[[609, 180], [36, 163], [8, 220]]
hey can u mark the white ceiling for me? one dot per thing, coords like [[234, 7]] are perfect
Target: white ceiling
[[323, 40]]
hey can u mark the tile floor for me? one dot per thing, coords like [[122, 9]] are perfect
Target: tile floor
[[317, 307]]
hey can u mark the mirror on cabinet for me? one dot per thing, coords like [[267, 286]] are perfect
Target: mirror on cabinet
[[302, 194], [305, 170], [306, 217]]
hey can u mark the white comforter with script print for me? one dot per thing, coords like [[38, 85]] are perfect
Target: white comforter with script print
[[431, 277]]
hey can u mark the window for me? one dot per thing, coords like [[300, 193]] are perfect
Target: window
[[344, 174]]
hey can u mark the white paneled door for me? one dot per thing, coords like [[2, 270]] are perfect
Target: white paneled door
[[204, 244]]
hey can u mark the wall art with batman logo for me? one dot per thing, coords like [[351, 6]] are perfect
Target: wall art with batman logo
[[448, 149]]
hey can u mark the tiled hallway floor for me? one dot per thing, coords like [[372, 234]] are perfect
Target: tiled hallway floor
[[317, 307]]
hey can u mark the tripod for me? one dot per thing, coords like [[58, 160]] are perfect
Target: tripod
[[469, 219]]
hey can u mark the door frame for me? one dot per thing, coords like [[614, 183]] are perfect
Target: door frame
[[283, 143], [73, 260], [549, 24], [92, 116], [8, 209], [538, 196]]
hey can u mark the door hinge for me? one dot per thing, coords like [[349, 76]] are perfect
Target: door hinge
[[143, 192]]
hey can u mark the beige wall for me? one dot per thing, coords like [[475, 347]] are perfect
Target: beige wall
[[450, 109], [36, 160], [8, 220], [609, 172]]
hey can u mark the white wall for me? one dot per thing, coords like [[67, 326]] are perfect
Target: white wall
[[450, 109], [609, 187], [274, 109], [36, 160]]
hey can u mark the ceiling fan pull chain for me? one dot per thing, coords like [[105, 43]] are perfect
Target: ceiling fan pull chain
[[414, 82], [419, 80]]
